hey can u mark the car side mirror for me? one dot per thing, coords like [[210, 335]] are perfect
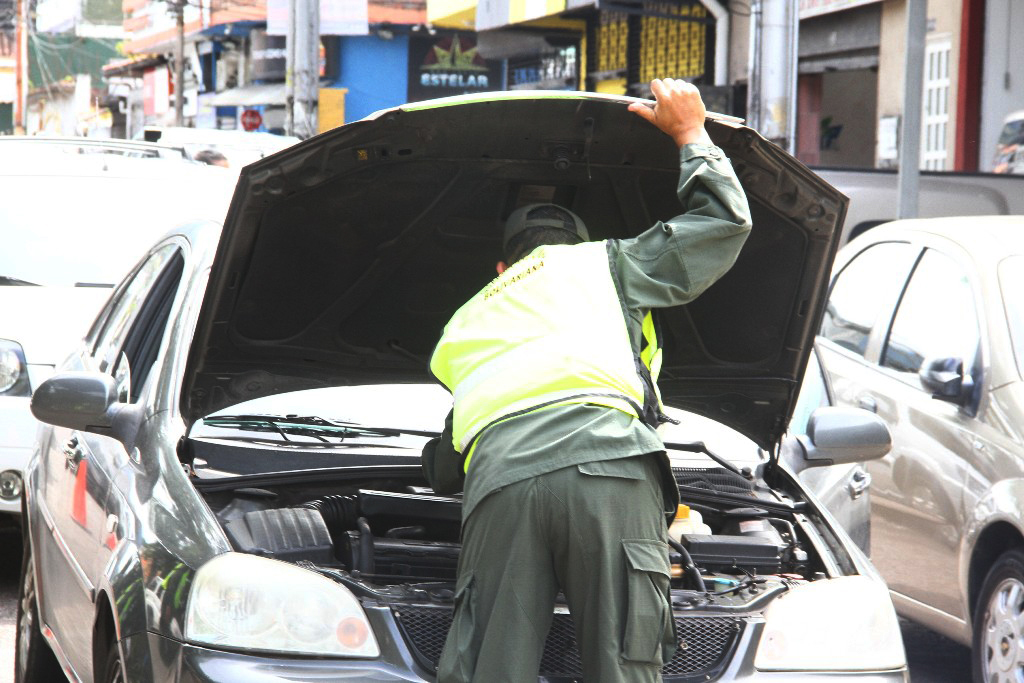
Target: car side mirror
[[87, 402], [945, 378], [839, 435]]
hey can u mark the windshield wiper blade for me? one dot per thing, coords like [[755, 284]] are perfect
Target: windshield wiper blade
[[307, 425], [15, 282]]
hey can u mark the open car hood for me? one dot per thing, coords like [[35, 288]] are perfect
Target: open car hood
[[343, 257]]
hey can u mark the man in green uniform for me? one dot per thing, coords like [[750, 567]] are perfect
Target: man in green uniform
[[553, 367]]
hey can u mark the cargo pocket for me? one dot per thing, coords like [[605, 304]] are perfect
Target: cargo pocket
[[649, 635], [622, 468], [458, 659]]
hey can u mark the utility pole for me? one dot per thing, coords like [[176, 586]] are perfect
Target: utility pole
[[21, 65], [754, 67], [302, 74], [771, 89], [908, 178], [289, 71], [179, 65]]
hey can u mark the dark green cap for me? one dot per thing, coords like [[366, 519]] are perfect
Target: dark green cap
[[544, 216]]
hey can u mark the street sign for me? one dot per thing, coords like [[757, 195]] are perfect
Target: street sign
[[251, 119]]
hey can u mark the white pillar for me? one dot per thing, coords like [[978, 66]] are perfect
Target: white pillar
[[771, 99], [721, 15]]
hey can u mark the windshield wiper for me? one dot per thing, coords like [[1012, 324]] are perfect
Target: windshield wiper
[[15, 282], [699, 447], [307, 425]]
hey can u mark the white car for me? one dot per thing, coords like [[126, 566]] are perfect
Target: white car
[[238, 146], [1009, 156], [74, 217]]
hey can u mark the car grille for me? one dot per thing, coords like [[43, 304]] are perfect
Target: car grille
[[705, 642]]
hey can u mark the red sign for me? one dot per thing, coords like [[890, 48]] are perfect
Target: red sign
[[251, 119]]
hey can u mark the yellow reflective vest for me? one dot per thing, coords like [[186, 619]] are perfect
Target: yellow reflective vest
[[550, 330]]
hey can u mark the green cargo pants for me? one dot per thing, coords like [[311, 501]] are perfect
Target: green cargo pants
[[595, 530]]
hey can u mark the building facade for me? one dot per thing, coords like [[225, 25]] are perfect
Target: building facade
[[851, 81]]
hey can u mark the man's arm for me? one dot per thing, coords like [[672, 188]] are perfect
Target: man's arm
[[673, 262], [443, 465]]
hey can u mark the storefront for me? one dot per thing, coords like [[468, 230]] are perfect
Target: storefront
[[838, 82], [603, 45], [448, 64]]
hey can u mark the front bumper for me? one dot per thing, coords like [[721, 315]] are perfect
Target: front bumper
[[150, 658], [17, 436]]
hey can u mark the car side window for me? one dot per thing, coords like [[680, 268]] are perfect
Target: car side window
[[142, 343], [862, 291], [936, 319], [126, 307]]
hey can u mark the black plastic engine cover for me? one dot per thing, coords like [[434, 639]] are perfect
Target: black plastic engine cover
[[759, 555], [401, 558], [288, 534]]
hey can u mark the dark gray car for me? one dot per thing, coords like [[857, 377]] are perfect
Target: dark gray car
[[231, 489]]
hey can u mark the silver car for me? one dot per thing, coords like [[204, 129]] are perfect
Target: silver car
[[231, 488], [925, 327]]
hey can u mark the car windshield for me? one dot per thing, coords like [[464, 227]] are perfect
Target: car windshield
[[1011, 281], [89, 229], [1012, 133]]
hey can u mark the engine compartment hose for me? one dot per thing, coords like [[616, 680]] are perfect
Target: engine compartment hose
[[366, 562], [689, 568], [338, 511]]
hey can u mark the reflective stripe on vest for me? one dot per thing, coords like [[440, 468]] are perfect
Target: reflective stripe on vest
[[550, 330]]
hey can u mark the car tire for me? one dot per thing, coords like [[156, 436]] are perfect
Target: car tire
[[34, 661], [113, 672], [998, 653]]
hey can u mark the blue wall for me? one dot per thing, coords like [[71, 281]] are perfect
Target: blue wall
[[376, 73]]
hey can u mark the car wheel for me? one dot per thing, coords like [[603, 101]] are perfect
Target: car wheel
[[998, 651], [112, 671], [34, 661]]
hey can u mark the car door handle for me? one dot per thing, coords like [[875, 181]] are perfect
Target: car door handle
[[868, 403], [860, 481], [73, 453]]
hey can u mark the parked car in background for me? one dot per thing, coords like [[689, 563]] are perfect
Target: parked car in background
[[239, 146], [1010, 146], [231, 486], [52, 147], [925, 327], [874, 195], [74, 217]]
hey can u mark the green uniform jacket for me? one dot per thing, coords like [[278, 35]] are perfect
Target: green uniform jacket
[[668, 265]]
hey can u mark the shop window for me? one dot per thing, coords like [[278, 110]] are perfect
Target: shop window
[[556, 70], [612, 35]]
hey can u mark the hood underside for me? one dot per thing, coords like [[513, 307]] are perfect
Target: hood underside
[[343, 257]]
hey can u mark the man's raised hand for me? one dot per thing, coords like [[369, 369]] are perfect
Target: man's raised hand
[[678, 111]]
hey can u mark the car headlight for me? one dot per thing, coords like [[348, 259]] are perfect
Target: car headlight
[[843, 624], [13, 373], [254, 603]]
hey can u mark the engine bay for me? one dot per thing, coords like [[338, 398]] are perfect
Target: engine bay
[[394, 539]]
